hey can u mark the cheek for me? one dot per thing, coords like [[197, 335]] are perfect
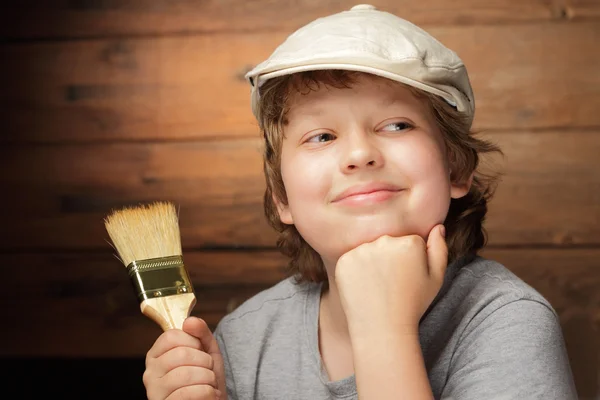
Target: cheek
[[431, 201], [426, 168], [306, 179]]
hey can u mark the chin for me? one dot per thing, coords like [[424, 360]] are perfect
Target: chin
[[339, 238], [359, 235]]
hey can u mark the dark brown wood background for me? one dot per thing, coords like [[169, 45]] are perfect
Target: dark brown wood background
[[107, 103]]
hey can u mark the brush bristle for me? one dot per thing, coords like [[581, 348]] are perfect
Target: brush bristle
[[145, 231]]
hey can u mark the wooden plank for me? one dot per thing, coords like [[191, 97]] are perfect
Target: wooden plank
[[550, 191], [167, 89], [582, 9], [548, 196], [62, 18], [66, 191], [78, 304]]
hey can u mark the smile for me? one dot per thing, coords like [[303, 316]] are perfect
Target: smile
[[363, 199], [371, 193]]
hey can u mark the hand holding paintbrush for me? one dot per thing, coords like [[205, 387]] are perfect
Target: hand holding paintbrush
[[184, 362], [148, 243]]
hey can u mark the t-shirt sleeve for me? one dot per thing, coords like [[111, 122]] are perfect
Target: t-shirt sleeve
[[517, 352], [229, 379]]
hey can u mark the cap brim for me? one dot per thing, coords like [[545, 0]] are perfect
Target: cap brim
[[261, 78]]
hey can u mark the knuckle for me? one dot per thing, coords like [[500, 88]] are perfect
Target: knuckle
[[383, 241], [151, 396], [167, 339], [415, 241], [345, 262], [212, 377], [173, 335], [197, 357], [183, 353], [342, 262], [146, 378], [184, 393], [179, 376], [205, 390], [152, 390], [197, 392], [343, 258]]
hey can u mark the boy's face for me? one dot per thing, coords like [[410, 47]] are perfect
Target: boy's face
[[362, 162]]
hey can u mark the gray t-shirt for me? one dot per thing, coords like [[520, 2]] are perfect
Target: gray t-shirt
[[487, 335]]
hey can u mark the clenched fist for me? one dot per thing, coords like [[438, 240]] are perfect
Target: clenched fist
[[185, 364], [391, 281]]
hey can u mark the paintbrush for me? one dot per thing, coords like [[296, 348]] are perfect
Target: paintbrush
[[148, 243]]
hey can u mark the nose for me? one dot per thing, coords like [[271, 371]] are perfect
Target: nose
[[362, 151]]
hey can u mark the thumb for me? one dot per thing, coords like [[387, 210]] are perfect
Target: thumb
[[437, 253], [197, 327]]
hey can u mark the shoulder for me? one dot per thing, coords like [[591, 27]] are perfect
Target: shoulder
[[285, 299], [488, 284], [484, 290], [509, 333]]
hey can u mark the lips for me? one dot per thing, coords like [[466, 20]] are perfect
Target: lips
[[366, 189]]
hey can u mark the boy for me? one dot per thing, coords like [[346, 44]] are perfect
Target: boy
[[372, 184]]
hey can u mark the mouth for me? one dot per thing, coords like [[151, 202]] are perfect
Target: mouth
[[367, 194]]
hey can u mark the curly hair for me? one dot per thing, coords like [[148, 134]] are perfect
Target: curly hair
[[465, 234]]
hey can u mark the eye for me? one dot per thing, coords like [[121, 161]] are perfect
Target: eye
[[398, 126], [321, 137]]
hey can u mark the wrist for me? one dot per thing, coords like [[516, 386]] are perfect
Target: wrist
[[370, 333]]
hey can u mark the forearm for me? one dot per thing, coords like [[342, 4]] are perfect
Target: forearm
[[390, 367]]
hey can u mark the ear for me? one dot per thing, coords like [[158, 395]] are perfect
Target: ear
[[460, 189], [284, 211]]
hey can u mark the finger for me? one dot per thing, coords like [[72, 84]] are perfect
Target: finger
[[204, 392], [198, 328], [187, 376], [170, 339], [182, 356], [437, 253]]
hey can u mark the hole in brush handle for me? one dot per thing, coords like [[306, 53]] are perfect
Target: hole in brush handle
[[169, 312]]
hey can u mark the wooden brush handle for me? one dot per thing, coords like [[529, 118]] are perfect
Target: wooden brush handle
[[169, 311]]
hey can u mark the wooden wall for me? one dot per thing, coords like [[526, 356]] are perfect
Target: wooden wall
[[107, 103]]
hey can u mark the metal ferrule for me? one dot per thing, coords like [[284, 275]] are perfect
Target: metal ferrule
[[159, 277]]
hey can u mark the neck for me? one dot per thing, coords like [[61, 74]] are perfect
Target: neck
[[332, 316], [334, 339]]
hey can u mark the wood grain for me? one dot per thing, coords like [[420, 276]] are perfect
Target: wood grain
[[107, 103], [61, 193], [85, 18], [190, 87], [95, 302], [550, 191], [582, 9]]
